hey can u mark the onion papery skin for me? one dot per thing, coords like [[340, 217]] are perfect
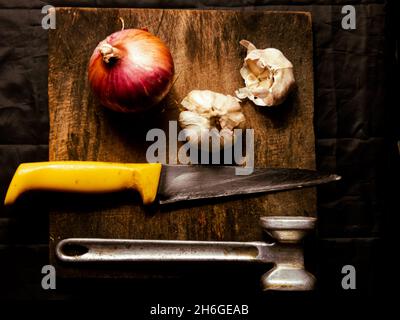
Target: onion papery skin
[[138, 77]]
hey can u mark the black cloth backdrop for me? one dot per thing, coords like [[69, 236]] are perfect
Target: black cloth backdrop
[[355, 127]]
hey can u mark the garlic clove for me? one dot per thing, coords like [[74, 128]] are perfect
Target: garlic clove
[[225, 104], [284, 82], [249, 78], [256, 67], [198, 102], [189, 118], [273, 58], [232, 120]]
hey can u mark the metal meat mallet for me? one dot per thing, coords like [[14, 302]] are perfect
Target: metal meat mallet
[[286, 253]]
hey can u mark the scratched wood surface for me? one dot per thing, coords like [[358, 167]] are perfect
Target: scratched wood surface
[[207, 55]]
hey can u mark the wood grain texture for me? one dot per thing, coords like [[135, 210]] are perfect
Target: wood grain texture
[[207, 55]]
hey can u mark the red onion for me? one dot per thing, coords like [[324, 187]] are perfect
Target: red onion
[[131, 70]]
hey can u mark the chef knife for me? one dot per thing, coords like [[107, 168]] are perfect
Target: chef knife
[[157, 182]]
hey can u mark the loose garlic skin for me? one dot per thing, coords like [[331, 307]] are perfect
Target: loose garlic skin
[[268, 76], [206, 112]]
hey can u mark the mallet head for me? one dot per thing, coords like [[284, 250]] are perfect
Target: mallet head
[[289, 272]]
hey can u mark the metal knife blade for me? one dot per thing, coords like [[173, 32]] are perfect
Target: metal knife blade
[[190, 182]]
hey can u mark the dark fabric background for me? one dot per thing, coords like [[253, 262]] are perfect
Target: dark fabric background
[[356, 126]]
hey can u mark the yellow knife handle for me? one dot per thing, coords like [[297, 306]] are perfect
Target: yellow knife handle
[[85, 177]]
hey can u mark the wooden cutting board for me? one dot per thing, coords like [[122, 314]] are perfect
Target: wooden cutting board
[[207, 55]]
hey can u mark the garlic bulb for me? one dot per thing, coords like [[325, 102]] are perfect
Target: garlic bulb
[[210, 115], [268, 76]]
